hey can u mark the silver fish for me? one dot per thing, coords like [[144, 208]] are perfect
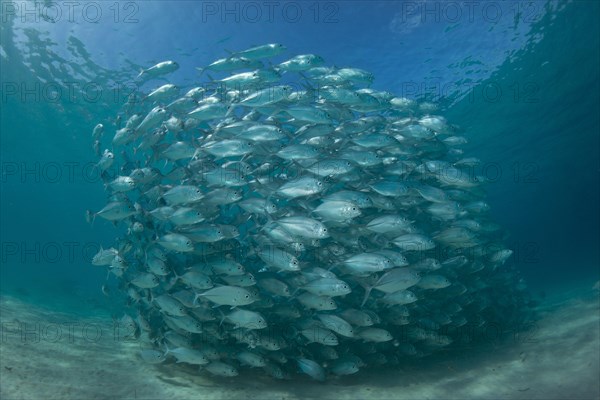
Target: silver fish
[[228, 295], [162, 68]]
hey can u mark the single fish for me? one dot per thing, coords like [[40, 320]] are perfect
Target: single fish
[[228, 295], [162, 68]]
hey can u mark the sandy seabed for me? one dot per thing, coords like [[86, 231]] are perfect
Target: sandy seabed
[[47, 355]]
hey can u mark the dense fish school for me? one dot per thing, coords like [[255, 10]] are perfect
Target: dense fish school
[[286, 217]]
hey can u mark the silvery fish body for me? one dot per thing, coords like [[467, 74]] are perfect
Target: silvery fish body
[[228, 295], [183, 194], [162, 68], [176, 242]]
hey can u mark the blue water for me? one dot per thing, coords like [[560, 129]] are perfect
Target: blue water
[[520, 79]]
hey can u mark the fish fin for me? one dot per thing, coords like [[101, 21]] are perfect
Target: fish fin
[[194, 158], [90, 217], [367, 294], [151, 297], [201, 70], [293, 294], [140, 74], [222, 317], [196, 297], [332, 266], [306, 85], [304, 204]]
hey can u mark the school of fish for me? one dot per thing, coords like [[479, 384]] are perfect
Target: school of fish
[[284, 216]]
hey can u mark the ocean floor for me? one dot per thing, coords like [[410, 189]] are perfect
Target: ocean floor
[[48, 355]]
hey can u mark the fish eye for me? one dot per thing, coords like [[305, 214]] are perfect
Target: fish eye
[[247, 296]]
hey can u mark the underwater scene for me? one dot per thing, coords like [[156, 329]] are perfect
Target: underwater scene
[[299, 200]]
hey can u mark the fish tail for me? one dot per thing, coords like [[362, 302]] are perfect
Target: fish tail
[[306, 83], [289, 134], [222, 316], [367, 293], [196, 297], [167, 349], [177, 277], [304, 204], [293, 294], [90, 217], [151, 299]]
